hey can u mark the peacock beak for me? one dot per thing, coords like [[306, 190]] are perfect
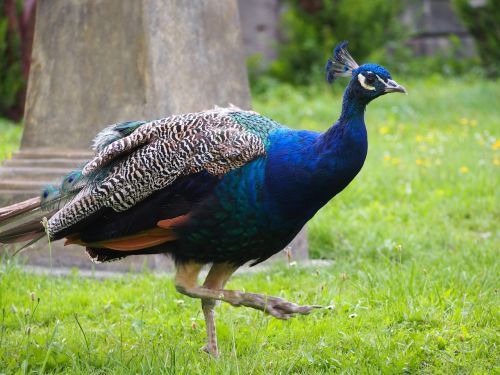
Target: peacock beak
[[393, 86]]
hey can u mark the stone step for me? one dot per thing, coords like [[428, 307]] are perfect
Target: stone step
[[22, 185], [32, 173], [16, 195], [43, 153], [28, 193], [46, 163]]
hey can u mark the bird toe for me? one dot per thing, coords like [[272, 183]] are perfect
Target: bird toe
[[213, 352], [283, 309]]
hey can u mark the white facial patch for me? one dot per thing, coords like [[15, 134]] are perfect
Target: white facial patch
[[362, 82], [381, 80]]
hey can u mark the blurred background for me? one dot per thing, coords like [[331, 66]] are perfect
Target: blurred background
[[289, 40], [440, 142]]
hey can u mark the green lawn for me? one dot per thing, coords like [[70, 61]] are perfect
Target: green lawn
[[412, 288], [10, 136]]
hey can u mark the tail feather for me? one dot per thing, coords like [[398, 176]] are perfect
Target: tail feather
[[22, 222], [18, 210], [23, 232], [22, 218]]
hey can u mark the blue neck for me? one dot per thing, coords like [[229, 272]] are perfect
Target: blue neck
[[351, 118], [352, 105], [344, 146], [304, 180]]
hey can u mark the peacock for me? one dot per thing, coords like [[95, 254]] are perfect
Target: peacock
[[223, 187]]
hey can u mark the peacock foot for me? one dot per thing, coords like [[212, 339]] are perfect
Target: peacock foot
[[213, 351], [275, 306]]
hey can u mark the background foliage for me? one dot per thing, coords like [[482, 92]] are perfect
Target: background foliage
[[483, 24], [17, 22], [309, 26], [11, 78]]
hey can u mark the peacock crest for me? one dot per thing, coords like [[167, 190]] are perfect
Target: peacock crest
[[341, 64]]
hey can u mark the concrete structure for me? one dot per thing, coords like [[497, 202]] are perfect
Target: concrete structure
[[432, 23], [106, 61], [260, 27]]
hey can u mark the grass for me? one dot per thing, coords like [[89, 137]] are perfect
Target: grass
[[412, 286], [432, 173], [10, 136]]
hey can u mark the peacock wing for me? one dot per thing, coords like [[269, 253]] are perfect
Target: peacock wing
[[156, 154]]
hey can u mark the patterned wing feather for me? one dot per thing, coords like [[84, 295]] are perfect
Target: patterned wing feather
[[113, 133], [155, 154]]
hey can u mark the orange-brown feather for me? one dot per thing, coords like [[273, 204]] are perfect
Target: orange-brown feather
[[142, 240], [169, 223]]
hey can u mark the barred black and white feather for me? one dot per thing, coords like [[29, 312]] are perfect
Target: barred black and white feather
[[113, 133], [154, 155]]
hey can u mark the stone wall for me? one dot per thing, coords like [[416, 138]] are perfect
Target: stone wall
[[155, 58], [260, 27], [105, 61], [431, 22]]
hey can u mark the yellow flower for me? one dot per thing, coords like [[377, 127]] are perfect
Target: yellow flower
[[464, 169], [464, 121], [384, 130], [473, 123], [496, 145], [420, 162], [396, 161], [496, 161], [387, 157], [419, 138]]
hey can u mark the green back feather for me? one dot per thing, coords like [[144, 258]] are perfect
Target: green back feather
[[256, 124]]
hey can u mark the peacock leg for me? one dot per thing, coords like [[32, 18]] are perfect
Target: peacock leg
[[186, 275], [186, 279], [275, 306], [217, 277]]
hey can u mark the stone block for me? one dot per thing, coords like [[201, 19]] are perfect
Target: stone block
[[100, 62]]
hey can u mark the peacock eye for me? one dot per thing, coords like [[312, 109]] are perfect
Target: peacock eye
[[370, 79]]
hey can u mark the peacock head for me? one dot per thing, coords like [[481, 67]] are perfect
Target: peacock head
[[368, 81]]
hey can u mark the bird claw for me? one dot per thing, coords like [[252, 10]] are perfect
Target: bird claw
[[213, 352], [288, 310], [280, 308]]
